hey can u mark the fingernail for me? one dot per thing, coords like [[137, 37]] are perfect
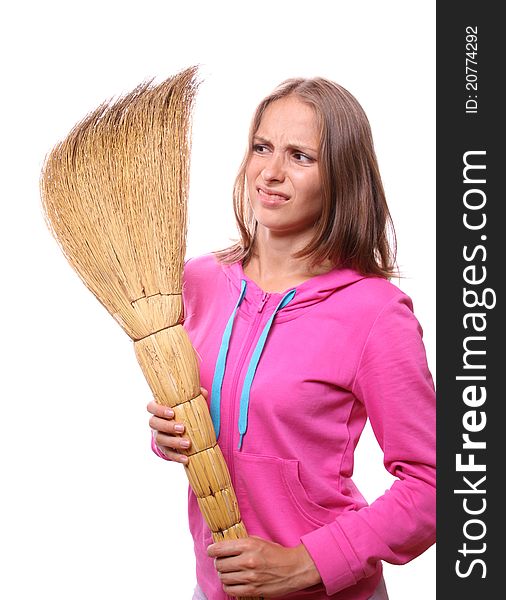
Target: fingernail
[[184, 459], [179, 428], [168, 412], [185, 444]]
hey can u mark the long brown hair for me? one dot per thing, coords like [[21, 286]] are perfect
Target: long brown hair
[[355, 228]]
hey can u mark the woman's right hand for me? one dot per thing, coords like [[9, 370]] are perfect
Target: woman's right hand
[[168, 434]]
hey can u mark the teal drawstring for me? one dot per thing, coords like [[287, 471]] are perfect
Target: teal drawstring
[[219, 370], [252, 367]]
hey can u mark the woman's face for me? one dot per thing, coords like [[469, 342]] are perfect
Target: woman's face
[[282, 173]]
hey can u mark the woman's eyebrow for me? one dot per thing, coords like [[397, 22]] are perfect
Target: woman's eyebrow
[[294, 145], [261, 139]]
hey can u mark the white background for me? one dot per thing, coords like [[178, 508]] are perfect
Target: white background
[[86, 510]]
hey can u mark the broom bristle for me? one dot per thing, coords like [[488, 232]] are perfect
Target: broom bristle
[[114, 194]]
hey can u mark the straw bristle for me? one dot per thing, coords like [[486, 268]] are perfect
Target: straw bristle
[[115, 194]]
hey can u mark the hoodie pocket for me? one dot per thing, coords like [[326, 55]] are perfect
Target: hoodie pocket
[[273, 501]]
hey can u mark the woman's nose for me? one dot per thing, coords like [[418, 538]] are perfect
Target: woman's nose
[[274, 168]]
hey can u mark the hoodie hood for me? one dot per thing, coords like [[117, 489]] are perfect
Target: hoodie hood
[[307, 293]]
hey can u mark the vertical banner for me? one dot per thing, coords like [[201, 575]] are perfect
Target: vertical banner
[[470, 323]]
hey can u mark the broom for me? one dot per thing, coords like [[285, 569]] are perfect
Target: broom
[[114, 194]]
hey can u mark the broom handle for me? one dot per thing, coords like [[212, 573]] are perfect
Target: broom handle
[[169, 364]]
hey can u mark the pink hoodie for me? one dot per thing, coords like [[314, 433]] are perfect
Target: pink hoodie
[[290, 399]]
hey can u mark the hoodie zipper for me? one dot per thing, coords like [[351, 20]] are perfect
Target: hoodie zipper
[[264, 299], [235, 382]]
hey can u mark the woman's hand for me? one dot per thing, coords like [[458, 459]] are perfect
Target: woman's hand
[[255, 567], [167, 433]]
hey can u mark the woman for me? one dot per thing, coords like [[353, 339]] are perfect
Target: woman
[[317, 340]]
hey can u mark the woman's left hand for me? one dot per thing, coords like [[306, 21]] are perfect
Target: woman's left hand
[[255, 567]]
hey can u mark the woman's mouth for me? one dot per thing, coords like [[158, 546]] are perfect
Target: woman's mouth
[[271, 198]]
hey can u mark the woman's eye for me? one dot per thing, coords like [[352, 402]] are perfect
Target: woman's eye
[[260, 148], [301, 157]]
